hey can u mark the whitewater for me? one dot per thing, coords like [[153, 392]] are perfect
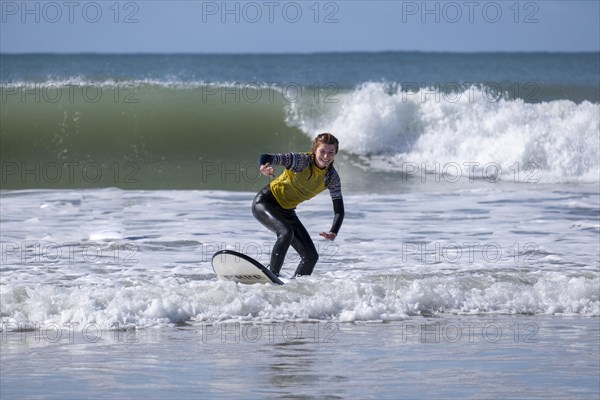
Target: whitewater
[[392, 128], [119, 258]]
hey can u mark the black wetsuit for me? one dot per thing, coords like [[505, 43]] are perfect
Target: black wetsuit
[[285, 223]]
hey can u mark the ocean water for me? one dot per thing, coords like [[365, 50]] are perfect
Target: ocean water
[[468, 265], [197, 122]]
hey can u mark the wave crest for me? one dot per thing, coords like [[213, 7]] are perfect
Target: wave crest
[[379, 120]]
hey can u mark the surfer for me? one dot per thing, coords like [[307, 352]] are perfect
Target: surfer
[[305, 176]]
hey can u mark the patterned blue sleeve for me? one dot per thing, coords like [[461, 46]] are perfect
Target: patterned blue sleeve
[[333, 183], [296, 162]]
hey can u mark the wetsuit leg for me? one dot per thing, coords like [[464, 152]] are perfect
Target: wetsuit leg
[[289, 230], [305, 247], [266, 210]]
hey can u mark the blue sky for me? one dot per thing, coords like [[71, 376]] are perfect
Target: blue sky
[[297, 26]]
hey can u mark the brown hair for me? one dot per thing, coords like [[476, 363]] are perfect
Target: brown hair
[[325, 138]]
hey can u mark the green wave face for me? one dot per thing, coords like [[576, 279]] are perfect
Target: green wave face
[[141, 136]]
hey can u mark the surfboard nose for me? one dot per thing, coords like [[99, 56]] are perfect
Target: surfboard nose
[[238, 267]]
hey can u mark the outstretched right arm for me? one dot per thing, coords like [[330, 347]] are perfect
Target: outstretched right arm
[[296, 162], [265, 165]]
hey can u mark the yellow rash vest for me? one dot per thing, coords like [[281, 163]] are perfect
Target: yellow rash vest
[[302, 179]]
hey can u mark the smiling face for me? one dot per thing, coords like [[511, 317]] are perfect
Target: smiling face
[[324, 155], [325, 147]]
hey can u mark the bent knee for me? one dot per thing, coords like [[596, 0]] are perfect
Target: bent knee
[[311, 257], [285, 235]]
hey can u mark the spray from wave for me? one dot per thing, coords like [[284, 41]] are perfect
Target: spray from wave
[[389, 127]]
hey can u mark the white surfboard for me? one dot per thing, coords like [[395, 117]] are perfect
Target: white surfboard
[[233, 266]]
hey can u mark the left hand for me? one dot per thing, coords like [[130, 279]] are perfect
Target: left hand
[[328, 235]]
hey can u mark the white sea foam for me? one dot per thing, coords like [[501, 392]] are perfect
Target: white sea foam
[[557, 141], [391, 262], [374, 298]]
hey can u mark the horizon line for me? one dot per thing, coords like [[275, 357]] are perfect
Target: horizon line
[[305, 53]]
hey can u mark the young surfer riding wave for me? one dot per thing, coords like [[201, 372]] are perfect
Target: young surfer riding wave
[[305, 176]]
